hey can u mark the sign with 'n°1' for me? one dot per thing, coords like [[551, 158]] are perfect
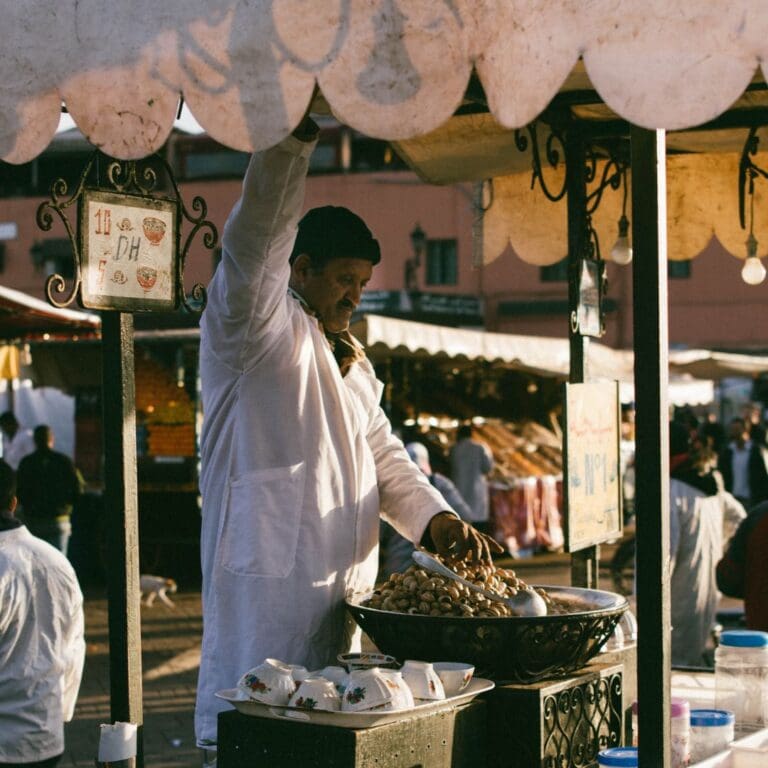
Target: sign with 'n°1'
[[129, 251], [592, 476]]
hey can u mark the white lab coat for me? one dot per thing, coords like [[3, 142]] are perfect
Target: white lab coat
[[42, 647], [297, 462], [696, 545]]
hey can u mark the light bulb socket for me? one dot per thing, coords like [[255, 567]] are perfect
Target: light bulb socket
[[623, 226], [751, 244]]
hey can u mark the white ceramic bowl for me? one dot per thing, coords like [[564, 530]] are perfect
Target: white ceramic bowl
[[337, 675], [298, 673], [316, 693], [454, 675], [270, 682], [423, 680], [367, 689], [402, 698]]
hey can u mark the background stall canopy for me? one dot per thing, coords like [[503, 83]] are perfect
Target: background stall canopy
[[692, 371]]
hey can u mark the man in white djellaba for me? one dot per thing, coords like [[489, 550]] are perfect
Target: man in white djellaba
[[42, 642], [298, 458]]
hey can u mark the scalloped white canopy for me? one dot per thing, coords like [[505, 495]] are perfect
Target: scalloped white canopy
[[393, 69]]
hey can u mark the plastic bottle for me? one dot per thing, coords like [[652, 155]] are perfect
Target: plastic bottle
[[680, 731], [618, 757], [741, 677], [711, 732]]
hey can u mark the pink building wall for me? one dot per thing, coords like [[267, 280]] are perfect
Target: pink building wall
[[711, 308]]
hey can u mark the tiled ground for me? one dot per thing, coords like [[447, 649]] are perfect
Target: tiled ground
[[170, 656]]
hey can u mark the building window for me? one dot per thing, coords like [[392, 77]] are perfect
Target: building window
[[54, 256], [215, 164], [555, 273], [679, 270], [442, 266]]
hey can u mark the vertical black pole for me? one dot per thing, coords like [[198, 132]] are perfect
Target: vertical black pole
[[584, 563], [649, 281], [121, 507]]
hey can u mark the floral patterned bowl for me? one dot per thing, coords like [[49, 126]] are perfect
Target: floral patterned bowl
[[314, 693], [367, 689], [270, 682], [455, 675]]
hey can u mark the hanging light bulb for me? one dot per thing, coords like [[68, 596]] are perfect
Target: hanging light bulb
[[621, 253], [753, 271]]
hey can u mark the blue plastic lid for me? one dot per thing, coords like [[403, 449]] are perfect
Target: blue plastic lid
[[712, 717], [744, 638], [624, 757]]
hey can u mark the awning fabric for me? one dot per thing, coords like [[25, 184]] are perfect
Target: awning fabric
[[691, 372], [393, 69], [23, 317]]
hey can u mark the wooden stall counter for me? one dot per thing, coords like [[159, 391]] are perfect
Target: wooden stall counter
[[450, 739]]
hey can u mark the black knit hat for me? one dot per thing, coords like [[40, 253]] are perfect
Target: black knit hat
[[333, 232]]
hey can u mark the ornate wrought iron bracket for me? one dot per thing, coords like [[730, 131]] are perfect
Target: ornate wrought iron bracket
[[748, 172], [139, 180], [552, 154], [591, 267]]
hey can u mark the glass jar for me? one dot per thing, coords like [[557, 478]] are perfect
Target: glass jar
[[618, 757], [741, 677], [711, 732], [680, 733]]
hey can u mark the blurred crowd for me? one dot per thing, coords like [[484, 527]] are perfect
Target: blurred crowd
[[718, 524]]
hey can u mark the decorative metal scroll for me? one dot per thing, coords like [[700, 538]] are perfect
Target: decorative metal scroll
[[129, 190], [580, 721], [552, 154], [613, 175], [593, 284], [748, 172]]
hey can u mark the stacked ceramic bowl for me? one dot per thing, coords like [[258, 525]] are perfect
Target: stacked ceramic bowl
[[362, 687]]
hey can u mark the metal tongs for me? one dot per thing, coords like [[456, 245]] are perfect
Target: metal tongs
[[527, 602]]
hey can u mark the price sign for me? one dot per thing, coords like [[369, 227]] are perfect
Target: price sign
[[592, 478], [129, 249]]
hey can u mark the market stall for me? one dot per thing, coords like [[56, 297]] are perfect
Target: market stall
[[398, 70]]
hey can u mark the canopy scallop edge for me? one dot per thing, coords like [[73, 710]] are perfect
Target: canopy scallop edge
[[393, 69]]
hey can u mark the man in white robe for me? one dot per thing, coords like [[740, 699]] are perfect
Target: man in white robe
[[298, 458]]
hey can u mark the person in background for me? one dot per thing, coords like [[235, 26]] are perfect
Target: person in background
[[699, 509], [42, 645], [395, 550], [471, 461], [48, 486], [743, 570], [713, 434], [752, 413], [744, 464], [17, 442]]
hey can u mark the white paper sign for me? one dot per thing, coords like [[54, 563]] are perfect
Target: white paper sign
[[129, 252]]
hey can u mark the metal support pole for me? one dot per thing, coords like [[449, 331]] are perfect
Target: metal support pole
[[649, 279], [121, 508], [584, 563]]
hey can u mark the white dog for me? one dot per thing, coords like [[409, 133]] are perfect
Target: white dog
[[157, 586]]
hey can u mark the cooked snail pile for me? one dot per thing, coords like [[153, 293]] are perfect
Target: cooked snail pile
[[418, 591]]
